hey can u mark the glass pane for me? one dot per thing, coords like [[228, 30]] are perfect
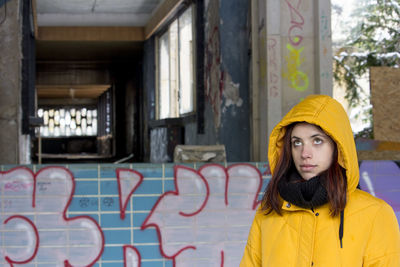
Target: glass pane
[[186, 62], [163, 94], [174, 79], [61, 122]]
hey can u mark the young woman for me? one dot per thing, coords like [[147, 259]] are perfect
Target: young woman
[[312, 213]]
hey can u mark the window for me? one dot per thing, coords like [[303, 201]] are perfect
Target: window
[[64, 122], [175, 83]]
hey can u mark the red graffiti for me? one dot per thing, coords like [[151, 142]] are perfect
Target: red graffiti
[[55, 196], [297, 21], [210, 196]]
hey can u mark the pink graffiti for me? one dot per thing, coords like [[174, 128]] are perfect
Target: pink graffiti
[[207, 218], [128, 181], [297, 21], [16, 186], [32, 226], [80, 240], [131, 256]]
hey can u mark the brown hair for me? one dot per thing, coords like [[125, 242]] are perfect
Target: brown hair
[[335, 181]]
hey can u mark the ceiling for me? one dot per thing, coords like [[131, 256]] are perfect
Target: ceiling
[[85, 21], [91, 13], [95, 12]]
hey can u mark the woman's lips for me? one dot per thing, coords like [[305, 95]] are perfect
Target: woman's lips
[[307, 167]]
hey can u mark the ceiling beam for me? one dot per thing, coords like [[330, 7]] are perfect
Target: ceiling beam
[[163, 12], [91, 33], [34, 18], [71, 91]]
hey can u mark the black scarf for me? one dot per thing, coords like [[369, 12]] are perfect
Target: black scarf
[[306, 194]]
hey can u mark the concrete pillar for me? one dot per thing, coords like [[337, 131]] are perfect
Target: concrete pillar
[[10, 83], [294, 59]]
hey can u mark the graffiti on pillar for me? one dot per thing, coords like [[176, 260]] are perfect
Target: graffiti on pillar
[[297, 79], [34, 222], [325, 34], [206, 220], [273, 67], [214, 76]]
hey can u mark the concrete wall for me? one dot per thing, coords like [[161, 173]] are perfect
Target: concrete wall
[[246, 94], [10, 84], [292, 58], [226, 75]]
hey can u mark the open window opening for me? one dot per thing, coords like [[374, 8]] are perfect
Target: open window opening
[[175, 67], [74, 128]]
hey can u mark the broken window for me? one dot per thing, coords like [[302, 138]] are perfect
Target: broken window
[[64, 122]]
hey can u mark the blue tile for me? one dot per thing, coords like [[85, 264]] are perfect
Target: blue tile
[[117, 236], [112, 253], [109, 187], [93, 216], [169, 185], [84, 170], [149, 187], [108, 170], [113, 264], [149, 252], [154, 264], [169, 171], [138, 219], [168, 263], [110, 204], [123, 166], [8, 167], [86, 188], [265, 184], [144, 203], [151, 171], [114, 220], [149, 235], [84, 204]]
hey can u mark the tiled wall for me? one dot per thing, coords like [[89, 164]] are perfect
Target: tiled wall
[[96, 195]]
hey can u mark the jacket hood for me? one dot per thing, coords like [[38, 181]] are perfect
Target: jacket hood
[[328, 114]]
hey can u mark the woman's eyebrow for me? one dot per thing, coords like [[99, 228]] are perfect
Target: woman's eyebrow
[[319, 135]]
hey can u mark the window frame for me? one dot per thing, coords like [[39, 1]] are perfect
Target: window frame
[[174, 108]]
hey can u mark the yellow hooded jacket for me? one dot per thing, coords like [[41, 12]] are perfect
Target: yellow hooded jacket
[[303, 238]]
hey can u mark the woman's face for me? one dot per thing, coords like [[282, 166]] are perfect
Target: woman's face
[[312, 150]]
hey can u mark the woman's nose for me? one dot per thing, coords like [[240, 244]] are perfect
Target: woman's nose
[[306, 152]]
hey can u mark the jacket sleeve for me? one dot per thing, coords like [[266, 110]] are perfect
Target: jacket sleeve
[[383, 248], [252, 252]]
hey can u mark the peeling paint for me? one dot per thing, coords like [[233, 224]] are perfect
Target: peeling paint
[[231, 92]]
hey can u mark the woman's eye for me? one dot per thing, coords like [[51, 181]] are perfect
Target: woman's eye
[[296, 143], [318, 141]]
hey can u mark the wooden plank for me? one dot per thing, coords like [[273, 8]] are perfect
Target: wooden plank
[[385, 95], [70, 91], [91, 34], [163, 12]]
